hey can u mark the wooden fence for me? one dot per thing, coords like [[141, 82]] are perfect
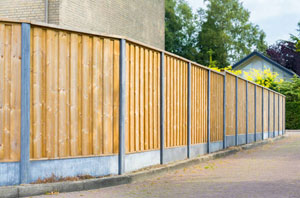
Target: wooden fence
[[75, 99]]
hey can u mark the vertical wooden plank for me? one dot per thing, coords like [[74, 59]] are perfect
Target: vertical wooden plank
[[136, 98], [74, 95], [2, 89], [116, 94], [96, 111], [160, 125], [128, 110], [108, 97], [86, 113], [142, 93], [150, 100], [15, 98], [37, 92], [63, 122], [146, 106], [131, 107], [80, 69], [154, 91]]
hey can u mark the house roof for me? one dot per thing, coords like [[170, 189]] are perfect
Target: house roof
[[255, 53]]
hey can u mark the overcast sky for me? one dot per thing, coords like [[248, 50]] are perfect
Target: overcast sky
[[278, 18]]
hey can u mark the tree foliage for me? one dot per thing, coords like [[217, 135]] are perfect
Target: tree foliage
[[291, 89], [287, 53], [225, 28], [180, 29], [265, 78]]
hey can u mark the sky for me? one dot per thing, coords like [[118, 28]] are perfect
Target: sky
[[277, 18]]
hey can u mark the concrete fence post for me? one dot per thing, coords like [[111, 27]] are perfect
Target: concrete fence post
[[224, 111], [247, 121], [208, 111], [278, 114], [262, 112], [162, 106], [189, 113], [254, 113], [269, 114], [236, 110], [122, 107], [25, 104], [274, 115]]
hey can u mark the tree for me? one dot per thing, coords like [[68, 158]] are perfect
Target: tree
[[180, 29], [225, 29], [287, 53]]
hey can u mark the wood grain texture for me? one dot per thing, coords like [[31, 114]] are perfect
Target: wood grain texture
[[216, 108], [241, 106], [266, 103], [230, 104], [175, 102], [259, 109], [10, 91], [271, 112], [251, 108], [75, 94], [198, 105]]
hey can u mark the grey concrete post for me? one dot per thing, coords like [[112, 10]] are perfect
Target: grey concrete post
[[262, 112], [278, 114], [189, 113], [208, 111], [224, 111], [122, 107], [254, 113], [274, 115], [236, 111], [25, 105], [269, 114], [162, 106], [247, 121]]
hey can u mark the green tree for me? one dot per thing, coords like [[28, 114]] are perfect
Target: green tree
[[225, 29], [180, 29], [291, 89]]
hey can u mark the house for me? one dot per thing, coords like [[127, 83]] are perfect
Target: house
[[141, 20], [258, 61]]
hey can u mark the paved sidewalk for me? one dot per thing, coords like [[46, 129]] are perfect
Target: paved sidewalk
[[272, 170]]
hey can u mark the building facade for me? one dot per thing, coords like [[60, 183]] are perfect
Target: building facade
[[260, 62], [141, 20]]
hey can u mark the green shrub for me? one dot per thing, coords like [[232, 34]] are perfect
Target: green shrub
[[292, 115]]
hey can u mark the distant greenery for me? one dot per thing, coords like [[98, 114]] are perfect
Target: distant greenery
[[291, 90], [265, 78], [292, 115], [223, 28]]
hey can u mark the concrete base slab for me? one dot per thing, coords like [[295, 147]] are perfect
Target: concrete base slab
[[280, 132], [266, 135], [94, 166], [250, 138], [258, 136], [241, 139], [175, 154], [140, 160], [9, 173], [198, 149], [215, 146], [230, 140]]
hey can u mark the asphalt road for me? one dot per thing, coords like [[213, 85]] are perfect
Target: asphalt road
[[272, 170]]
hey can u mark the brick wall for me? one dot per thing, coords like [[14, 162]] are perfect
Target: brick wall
[[23, 9], [142, 20]]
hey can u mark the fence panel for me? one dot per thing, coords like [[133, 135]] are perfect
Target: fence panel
[[142, 96], [259, 109], [280, 112], [74, 94], [284, 115], [10, 91], [266, 113], [271, 111], [251, 108], [230, 104], [216, 107], [175, 101], [276, 113], [241, 106], [198, 104]]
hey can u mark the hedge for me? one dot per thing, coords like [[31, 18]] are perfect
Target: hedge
[[292, 115]]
